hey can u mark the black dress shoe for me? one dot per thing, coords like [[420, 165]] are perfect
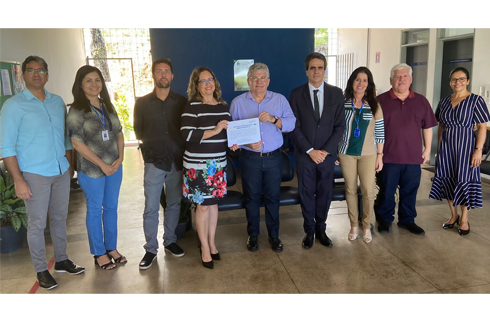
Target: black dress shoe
[[253, 243], [463, 232], [383, 227], [276, 244], [46, 280], [413, 228], [67, 266], [308, 240], [324, 240], [147, 260], [209, 264], [446, 225], [215, 257]]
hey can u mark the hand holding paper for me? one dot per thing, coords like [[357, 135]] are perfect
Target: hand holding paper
[[243, 132]]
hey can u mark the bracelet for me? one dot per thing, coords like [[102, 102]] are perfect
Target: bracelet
[[380, 153], [481, 149]]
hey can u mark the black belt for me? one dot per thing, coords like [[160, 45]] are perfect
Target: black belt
[[262, 154]]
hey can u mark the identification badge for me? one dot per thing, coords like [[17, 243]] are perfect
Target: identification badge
[[357, 133], [105, 135]]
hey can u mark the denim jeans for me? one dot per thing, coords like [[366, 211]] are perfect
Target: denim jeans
[[102, 197], [262, 176]]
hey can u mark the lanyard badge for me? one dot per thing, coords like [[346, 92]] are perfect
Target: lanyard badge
[[357, 130], [105, 133]]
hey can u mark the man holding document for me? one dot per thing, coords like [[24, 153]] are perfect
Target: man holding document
[[262, 160]]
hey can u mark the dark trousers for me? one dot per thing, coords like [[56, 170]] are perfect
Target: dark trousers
[[315, 184], [262, 176], [407, 176]]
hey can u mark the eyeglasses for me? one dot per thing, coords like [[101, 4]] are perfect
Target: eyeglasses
[[254, 79], [205, 81], [41, 71], [461, 80]]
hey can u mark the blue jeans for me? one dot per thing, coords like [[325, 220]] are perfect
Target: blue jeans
[[102, 197], [262, 176], [407, 176]]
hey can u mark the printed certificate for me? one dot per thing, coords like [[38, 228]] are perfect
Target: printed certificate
[[243, 131]]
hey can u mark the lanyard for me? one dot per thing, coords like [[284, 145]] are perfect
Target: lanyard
[[354, 112], [102, 120]]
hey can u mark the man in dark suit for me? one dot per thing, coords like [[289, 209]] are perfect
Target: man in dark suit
[[320, 123]]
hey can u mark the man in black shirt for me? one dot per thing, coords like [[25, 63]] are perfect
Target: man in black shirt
[[157, 124]]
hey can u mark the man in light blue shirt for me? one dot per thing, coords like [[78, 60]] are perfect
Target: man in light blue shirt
[[33, 143], [262, 161]]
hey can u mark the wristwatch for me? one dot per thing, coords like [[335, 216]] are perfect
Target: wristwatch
[[275, 120], [481, 149]]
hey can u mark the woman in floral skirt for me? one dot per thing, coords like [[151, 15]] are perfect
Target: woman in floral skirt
[[204, 120]]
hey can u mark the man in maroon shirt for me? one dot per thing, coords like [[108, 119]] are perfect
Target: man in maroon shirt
[[408, 119]]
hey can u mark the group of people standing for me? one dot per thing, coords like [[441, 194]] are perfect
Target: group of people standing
[[184, 143]]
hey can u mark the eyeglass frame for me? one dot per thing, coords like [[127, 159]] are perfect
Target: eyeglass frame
[[41, 71], [461, 80], [205, 81], [255, 79]]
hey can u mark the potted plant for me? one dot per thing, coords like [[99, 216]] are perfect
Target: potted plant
[[13, 216], [123, 112]]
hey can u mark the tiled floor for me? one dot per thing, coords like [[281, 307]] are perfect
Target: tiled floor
[[439, 262]]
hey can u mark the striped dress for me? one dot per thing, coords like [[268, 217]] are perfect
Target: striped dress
[[455, 179], [372, 131], [204, 176]]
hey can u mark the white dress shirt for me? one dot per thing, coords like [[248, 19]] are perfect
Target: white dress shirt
[[320, 101]]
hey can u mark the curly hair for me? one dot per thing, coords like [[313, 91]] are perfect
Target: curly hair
[[193, 91]]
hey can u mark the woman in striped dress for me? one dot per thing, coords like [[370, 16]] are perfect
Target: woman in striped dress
[[204, 120], [361, 148], [459, 151]]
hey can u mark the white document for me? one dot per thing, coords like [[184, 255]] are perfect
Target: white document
[[7, 90], [243, 131]]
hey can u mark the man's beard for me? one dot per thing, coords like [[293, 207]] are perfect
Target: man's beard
[[161, 84]]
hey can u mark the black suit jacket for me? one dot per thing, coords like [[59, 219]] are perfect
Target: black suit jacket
[[308, 133]]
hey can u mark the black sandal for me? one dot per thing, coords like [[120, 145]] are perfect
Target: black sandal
[[105, 266], [117, 260]]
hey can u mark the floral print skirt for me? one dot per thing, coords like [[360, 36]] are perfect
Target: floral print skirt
[[204, 186]]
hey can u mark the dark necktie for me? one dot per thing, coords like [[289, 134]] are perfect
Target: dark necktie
[[317, 106]]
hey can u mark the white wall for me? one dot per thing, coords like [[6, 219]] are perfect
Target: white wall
[[354, 40], [481, 61], [386, 41], [62, 49]]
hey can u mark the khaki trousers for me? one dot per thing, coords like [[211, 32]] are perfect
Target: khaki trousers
[[364, 168]]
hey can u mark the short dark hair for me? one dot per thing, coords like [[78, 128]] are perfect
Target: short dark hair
[[460, 69], [37, 59], [161, 61], [315, 56]]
